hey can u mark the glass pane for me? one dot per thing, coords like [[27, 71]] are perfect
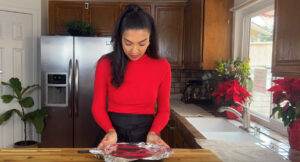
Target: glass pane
[[260, 53]]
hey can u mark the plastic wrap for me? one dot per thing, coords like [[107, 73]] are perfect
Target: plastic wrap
[[123, 152]]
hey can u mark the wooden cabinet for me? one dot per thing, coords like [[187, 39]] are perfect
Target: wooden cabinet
[[168, 16], [179, 133], [62, 12], [286, 47], [207, 33], [167, 134], [193, 34], [169, 20], [216, 32], [103, 17]]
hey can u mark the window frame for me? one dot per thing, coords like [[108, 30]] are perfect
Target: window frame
[[240, 45]]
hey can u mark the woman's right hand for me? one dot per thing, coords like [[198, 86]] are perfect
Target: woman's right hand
[[110, 138]]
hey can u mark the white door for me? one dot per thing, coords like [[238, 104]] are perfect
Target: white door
[[16, 60]]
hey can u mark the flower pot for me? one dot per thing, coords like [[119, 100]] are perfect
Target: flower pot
[[27, 144], [231, 115], [294, 134]]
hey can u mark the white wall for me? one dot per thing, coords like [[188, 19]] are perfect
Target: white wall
[[32, 8]]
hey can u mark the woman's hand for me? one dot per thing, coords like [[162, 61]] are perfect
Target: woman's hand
[[110, 138], [153, 138]]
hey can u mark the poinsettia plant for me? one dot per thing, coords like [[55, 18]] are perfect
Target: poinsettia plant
[[231, 92], [286, 97]]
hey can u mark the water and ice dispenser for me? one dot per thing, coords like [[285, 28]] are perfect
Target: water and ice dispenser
[[56, 89]]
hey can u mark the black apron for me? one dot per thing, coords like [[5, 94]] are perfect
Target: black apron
[[131, 128]]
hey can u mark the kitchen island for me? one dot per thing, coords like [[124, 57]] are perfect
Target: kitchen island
[[71, 154]]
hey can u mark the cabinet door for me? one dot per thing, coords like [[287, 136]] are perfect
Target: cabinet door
[[62, 12], [103, 17], [169, 21], [216, 32], [193, 31], [286, 55]]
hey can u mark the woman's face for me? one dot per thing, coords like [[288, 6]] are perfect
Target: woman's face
[[135, 42]]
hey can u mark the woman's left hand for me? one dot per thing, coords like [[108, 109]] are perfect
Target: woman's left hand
[[153, 138]]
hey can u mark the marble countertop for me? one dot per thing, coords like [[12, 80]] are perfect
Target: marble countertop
[[227, 151], [240, 152], [188, 110]]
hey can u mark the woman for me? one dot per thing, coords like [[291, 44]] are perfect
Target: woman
[[131, 81]]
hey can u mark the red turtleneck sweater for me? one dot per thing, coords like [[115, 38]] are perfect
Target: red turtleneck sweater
[[147, 82]]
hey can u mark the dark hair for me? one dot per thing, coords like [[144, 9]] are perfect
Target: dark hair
[[133, 17]]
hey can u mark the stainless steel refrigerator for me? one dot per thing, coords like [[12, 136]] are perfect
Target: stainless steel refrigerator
[[67, 76]]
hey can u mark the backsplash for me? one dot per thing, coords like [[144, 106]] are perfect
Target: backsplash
[[180, 78]]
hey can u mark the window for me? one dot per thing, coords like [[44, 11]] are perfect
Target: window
[[260, 54], [253, 39]]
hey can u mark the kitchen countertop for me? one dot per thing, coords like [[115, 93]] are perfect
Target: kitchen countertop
[[225, 150], [187, 110], [71, 154], [229, 151]]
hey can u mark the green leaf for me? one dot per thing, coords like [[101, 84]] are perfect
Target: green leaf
[[5, 83], [297, 115], [26, 102], [7, 98], [274, 110], [16, 85], [29, 89], [288, 116], [37, 119], [280, 112], [5, 116]]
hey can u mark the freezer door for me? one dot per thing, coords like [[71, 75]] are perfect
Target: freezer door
[[87, 52], [56, 78]]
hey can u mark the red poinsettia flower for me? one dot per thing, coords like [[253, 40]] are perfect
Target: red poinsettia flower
[[286, 95], [229, 92], [286, 89]]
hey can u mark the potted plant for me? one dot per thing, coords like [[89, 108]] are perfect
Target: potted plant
[[234, 85], [286, 97], [20, 94], [80, 28]]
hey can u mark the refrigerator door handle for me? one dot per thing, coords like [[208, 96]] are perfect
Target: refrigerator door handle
[[76, 88], [70, 86]]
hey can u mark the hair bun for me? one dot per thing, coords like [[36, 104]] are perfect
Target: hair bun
[[133, 8]]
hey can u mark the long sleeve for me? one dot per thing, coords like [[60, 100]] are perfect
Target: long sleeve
[[99, 110], [163, 102]]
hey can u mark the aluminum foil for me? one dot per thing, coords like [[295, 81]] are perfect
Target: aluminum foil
[[123, 152]]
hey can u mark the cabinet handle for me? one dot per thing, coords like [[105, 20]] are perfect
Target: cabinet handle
[[86, 5]]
